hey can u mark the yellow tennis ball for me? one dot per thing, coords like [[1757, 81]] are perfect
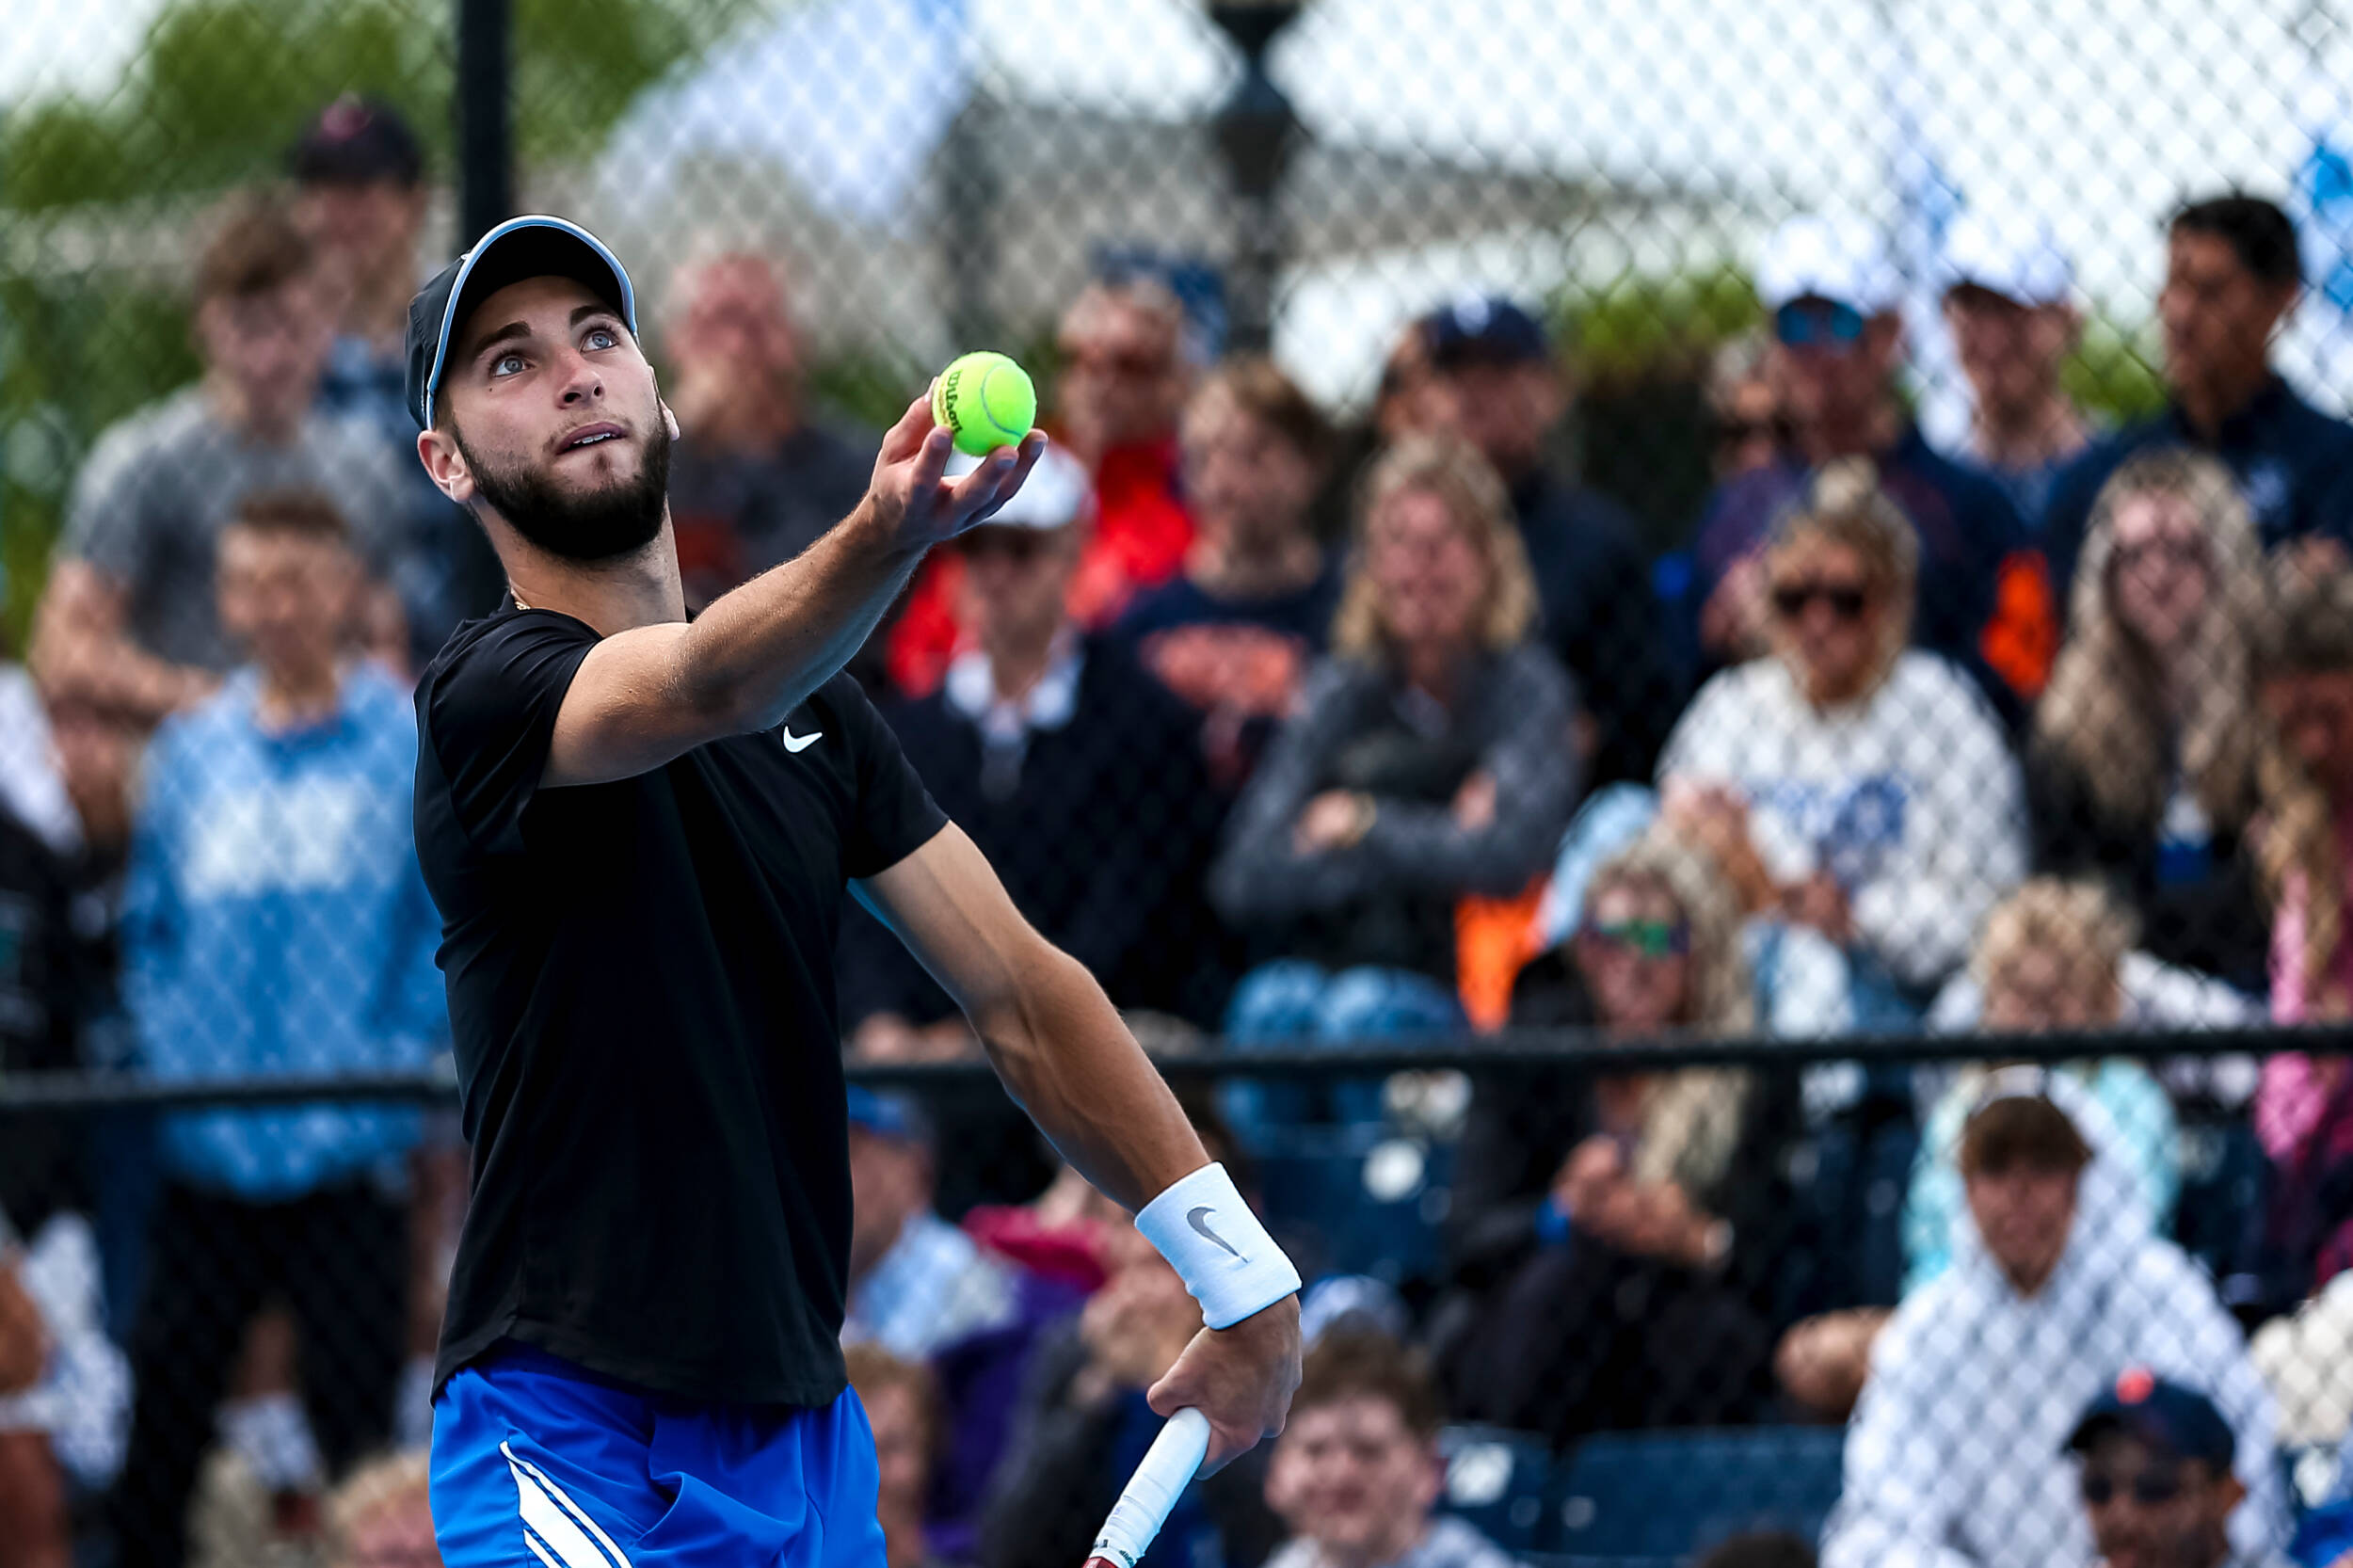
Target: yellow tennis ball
[[987, 400]]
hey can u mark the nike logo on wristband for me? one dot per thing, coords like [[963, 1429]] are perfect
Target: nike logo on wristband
[[1198, 1219], [798, 744]]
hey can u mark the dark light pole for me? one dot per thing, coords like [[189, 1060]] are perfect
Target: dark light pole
[[1257, 132], [485, 112]]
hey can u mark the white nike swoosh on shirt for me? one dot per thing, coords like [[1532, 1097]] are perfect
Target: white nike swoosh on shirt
[[801, 743]]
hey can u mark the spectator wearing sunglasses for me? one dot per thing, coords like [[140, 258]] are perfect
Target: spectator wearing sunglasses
[[2009, 303], [1848, 782], [1076, 773], [1981, 1377], [1496, 385], [1613, 1233], [1837, 346], [2233, 275], [2154, 1469], [1125, 378], [2142, 766]]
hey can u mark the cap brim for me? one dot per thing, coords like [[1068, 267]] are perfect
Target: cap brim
[[2001, 286], [531, 246], [1458, 352], [2148, 1430], [1955, 280]]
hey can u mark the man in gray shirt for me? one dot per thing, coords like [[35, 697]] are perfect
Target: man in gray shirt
[[127, 625]]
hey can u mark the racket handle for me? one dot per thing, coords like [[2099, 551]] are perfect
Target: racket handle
[[1171, 1461]]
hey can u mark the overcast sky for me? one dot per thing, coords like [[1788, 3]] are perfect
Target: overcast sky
[[75, 45], [2092, 114]]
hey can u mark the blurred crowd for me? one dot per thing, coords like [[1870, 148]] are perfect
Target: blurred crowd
[[1300, 735]]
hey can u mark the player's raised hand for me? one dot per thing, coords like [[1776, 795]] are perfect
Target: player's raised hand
[[1241, 1378], [911, 494]]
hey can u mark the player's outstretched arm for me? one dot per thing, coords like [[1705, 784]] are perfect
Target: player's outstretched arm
[[646, 696], [1063, 1052]]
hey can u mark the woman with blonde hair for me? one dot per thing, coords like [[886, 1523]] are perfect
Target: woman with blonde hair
[[1620, 1228], [1846, 781], [2054, 955], [2142, 766], [1431, 758]]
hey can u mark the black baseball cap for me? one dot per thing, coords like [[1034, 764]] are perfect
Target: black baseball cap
[[2169, 1417], [356, 141], [521, 248], [1484, 329]]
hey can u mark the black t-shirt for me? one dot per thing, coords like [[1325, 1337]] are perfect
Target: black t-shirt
[[641, 999]]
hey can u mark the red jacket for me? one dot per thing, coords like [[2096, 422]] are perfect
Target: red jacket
[[1141, 532]]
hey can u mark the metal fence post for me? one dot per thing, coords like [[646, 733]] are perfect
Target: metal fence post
[[1257, 132], [484, 107]]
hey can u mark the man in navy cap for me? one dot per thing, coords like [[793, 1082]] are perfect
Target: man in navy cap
[[1504, 394], [359, 198], [359, 173], [2157, 1479]]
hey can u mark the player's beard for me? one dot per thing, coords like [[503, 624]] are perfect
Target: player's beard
[[612, 521]]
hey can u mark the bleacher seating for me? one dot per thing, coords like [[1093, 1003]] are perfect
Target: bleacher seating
[[2225, 1178], [1655, 1500], [1496, 1481], [1358, 1198]]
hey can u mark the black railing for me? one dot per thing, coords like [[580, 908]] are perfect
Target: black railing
[[46, 1094]]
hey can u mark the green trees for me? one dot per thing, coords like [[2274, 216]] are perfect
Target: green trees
[[96, 193]]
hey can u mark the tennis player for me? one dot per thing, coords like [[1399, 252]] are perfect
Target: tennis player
[[638, 829]]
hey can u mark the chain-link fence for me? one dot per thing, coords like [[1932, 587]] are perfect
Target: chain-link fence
[[1637, 605]]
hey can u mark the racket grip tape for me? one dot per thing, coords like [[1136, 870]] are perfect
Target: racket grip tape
[[1171, 1461]]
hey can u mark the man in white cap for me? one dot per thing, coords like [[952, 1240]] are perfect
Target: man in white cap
[[2008, 303], [1837, 344], [1076, 772]]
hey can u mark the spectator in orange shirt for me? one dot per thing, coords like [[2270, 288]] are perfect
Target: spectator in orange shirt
[[1123, 384]]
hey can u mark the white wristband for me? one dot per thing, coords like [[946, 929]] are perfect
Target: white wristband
[[1218, 1247]]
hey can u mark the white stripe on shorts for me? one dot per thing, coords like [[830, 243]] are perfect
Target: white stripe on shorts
[[554, 1528]]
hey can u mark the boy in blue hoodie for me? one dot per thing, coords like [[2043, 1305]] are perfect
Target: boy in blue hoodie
[[275, 923]]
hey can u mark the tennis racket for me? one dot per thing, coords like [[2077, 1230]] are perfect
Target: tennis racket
[[1172, 1460]]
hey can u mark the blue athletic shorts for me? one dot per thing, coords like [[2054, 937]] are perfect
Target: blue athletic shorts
[[542, 1464]]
